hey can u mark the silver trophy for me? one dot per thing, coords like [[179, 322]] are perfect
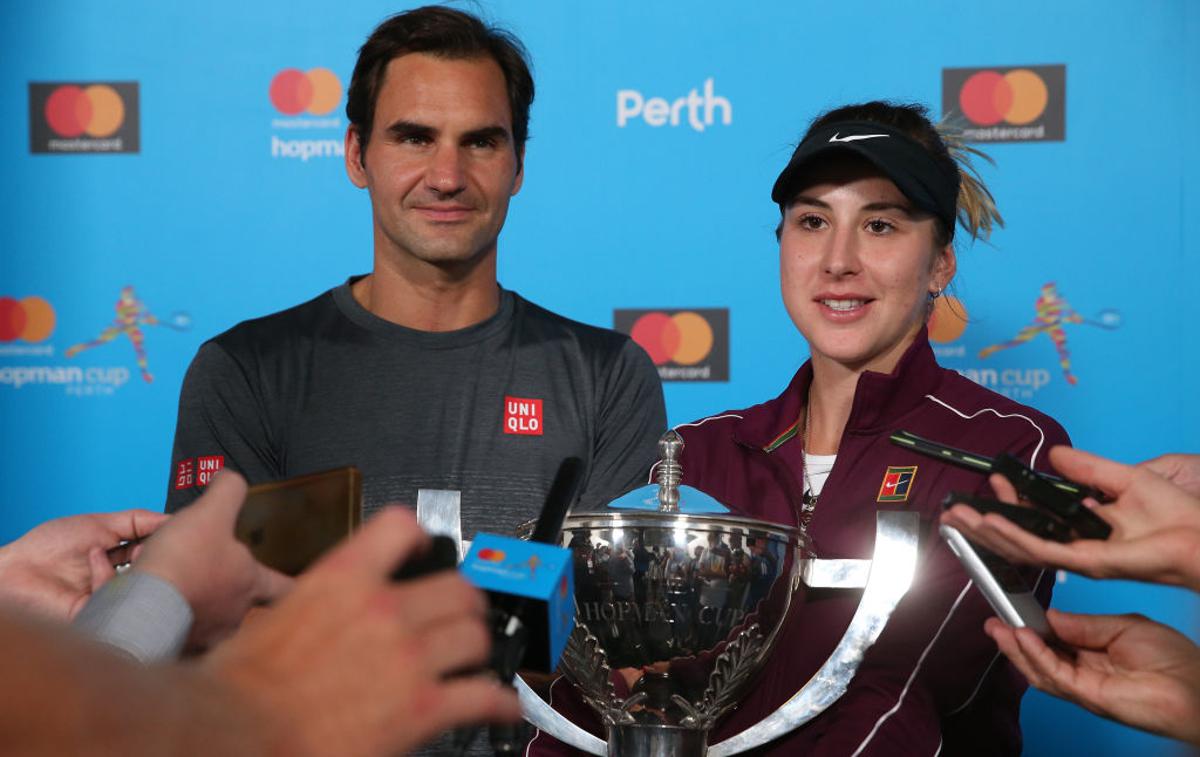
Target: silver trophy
[[677, 612]]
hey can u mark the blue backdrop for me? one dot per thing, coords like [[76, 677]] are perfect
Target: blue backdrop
[[233, 208]]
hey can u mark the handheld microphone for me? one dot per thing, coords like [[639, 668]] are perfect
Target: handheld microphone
[[530, 585], [559, 499]]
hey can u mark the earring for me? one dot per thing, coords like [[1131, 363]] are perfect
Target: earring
[[935, 294]]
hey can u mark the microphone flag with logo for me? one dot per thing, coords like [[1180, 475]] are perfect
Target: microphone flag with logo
[[531, 584]]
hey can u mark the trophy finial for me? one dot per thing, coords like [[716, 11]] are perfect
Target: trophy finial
[[670, 472]]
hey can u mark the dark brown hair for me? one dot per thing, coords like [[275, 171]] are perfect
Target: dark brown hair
[[445, 33]]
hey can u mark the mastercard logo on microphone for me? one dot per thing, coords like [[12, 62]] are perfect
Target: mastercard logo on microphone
[[686, 345], [84, 117], [1009, 104]]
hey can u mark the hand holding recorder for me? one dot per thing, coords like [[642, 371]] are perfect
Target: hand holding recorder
[[53, 569], [1155, 525], [347, 633], [1125, 667]]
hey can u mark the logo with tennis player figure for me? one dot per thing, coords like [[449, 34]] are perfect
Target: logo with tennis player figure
[[1053, 313], [132, 314]]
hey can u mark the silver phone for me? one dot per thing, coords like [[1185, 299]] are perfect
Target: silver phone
[[1001, 584]]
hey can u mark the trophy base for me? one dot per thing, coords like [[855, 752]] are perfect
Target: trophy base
[[656, 741]]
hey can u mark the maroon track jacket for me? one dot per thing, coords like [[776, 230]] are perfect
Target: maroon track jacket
[[933, 680]]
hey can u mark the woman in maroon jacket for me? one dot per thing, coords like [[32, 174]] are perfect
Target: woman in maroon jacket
[[869, 204]]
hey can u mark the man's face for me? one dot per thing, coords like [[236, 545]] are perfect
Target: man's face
[[440, 163]]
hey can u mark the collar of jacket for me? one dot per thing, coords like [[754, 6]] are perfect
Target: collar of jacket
[[879, 400]]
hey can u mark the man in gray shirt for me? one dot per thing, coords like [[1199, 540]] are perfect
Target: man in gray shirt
[[426, 373]]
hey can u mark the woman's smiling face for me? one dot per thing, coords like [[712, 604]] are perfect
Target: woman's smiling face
[[858, 262]]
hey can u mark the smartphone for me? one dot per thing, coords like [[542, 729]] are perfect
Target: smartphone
[[1001, 584], [289, 524]]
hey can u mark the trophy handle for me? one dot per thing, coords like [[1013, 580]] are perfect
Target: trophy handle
[[891, 574], [552, 722]]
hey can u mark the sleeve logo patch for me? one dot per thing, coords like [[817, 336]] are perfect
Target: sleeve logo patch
[[897, 483], [185, 473], [523, 416], [197, 471]]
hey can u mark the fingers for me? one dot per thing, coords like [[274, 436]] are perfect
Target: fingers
[[1005, 491], [1006, 640], [1088, 631], [129, 525], [963, 517], [465, 701], [100, 567], [270, 585], [436, 599], [1002, 536], [226, 492], [454, 646], [1093, 470], [1051, 673], [1015, 544], [1025, 650], [384, 543]]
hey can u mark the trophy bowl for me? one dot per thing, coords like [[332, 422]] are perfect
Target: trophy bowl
[[678, 605], [675, 614]]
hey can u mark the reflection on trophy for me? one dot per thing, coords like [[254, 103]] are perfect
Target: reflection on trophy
[[676, 612]]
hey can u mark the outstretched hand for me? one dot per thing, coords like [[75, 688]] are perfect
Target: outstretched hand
[[198, 554], [1156, 523], [1181, 470], [349, 657], [53, 569], [1125, 667]]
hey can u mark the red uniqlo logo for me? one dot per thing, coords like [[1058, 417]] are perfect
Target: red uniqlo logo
[[185, 473], [207, 467], [522, 416]]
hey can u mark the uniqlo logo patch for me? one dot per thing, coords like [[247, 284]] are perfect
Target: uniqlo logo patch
[[523, 416], [207, 467], [197, 471], [897, 483], [185, 473]]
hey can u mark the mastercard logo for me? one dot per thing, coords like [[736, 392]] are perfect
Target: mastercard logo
[[948, 320], [316, 91], [31, 319], [1018, 97], [491, 555], [96, 110], [684, 338]]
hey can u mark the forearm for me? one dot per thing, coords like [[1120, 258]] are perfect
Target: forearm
[[140, 614], [65, 695]]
